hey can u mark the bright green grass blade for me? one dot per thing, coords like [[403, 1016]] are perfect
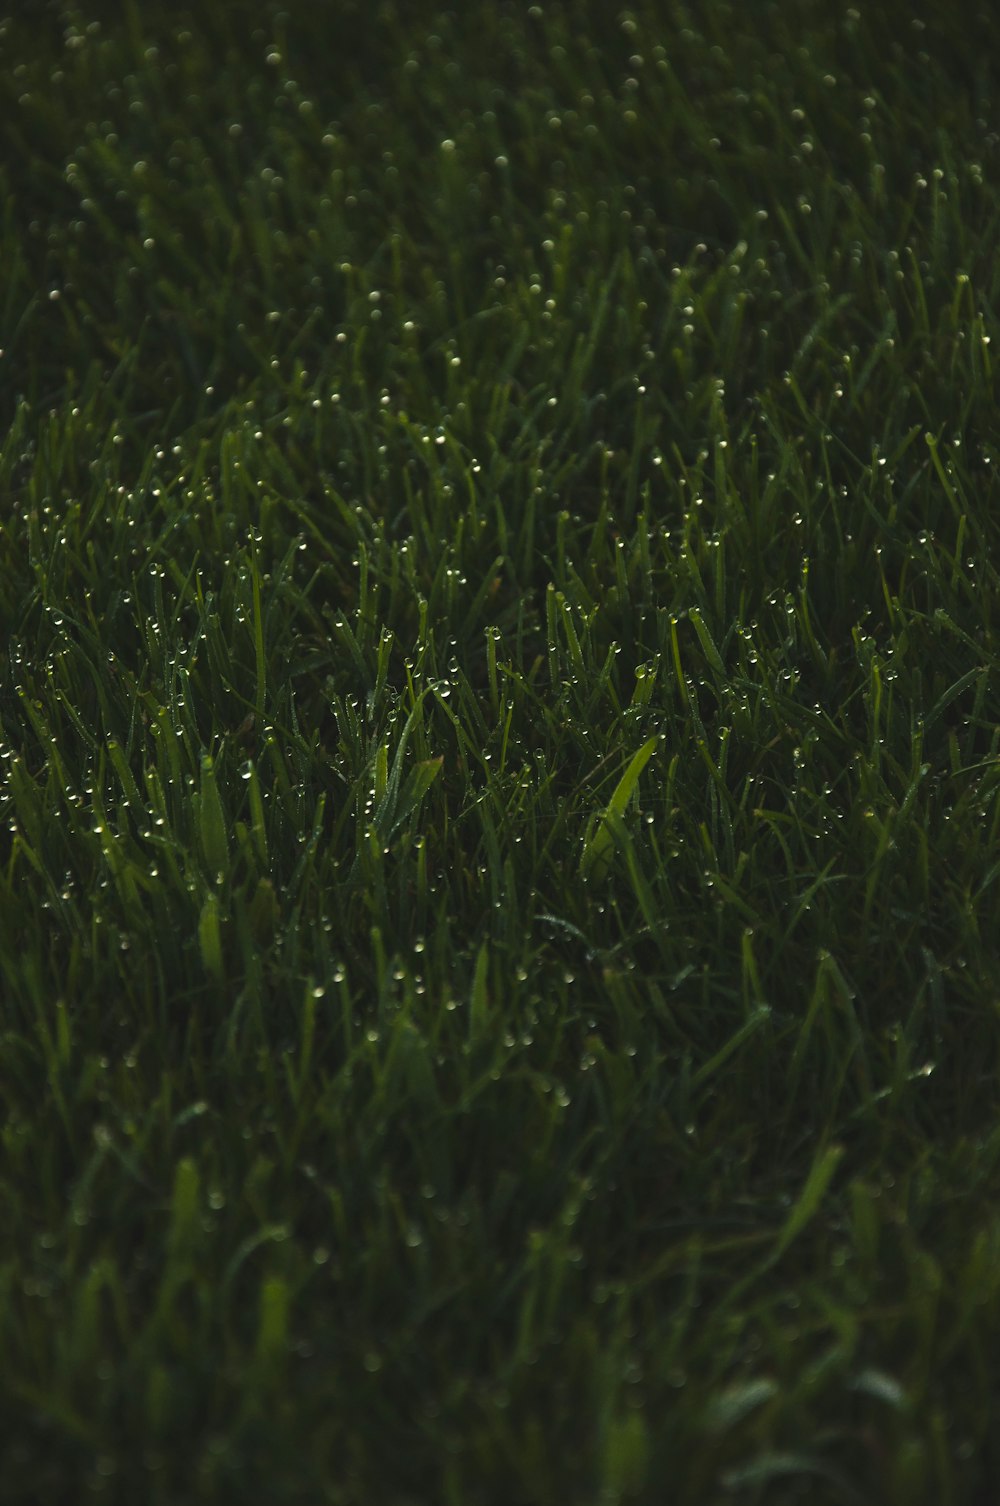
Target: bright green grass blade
[[212, 821], [596, 848]]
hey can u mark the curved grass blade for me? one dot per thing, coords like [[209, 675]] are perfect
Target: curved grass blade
[[594, 860]]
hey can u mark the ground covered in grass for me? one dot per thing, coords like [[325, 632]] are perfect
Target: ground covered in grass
[[499, 784]]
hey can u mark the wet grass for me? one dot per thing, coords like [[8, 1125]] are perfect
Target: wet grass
[[499, 780]]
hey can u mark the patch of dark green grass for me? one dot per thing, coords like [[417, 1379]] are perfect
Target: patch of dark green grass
[[499, 783]]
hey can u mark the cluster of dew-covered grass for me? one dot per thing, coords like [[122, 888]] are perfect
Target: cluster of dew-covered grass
[[498, 754]]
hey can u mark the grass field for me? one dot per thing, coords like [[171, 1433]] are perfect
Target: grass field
[[499, 730]]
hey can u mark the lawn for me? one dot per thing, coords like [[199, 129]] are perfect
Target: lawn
[[499, 754]]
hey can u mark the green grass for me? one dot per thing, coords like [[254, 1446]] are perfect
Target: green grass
[[499, 729]]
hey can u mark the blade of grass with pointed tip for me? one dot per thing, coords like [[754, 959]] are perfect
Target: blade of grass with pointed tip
[[810, 1197], [416, 787], [759, 1017], [212, 821], [594, 860]]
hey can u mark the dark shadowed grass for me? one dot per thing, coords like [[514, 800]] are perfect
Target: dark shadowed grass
[[499, 783]]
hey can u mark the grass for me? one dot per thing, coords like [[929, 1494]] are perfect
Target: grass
[[499, 783]]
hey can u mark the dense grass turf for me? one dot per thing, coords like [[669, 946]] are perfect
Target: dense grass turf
[[499, 785]]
